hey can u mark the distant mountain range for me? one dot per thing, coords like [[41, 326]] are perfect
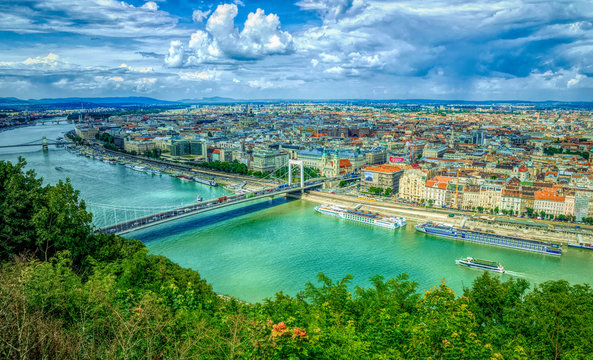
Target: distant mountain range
[[132, 100], [73, 102]]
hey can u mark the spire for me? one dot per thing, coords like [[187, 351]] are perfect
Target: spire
[[336, 154]]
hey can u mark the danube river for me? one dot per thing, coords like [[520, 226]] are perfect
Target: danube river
[[253, 251]]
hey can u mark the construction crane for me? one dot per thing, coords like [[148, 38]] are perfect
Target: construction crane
[[456, 205]]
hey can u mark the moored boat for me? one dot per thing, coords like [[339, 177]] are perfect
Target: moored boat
[[481, 264], [489, 238], [206, 182], [365, 217], [582, 245]]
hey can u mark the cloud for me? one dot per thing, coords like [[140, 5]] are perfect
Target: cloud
[[260, 84], [198, 76], [332, 10], [574, 81], [198, 15], [334, 70], [93, 17], [175, 56], [136, 69], [222, 42], [51, 62], [150, 5]]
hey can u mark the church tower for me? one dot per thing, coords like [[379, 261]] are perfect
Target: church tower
[[336, 163]]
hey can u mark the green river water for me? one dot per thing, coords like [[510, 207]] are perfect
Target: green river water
[[254, 250]]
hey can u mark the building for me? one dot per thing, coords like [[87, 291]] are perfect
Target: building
[[268, 160], [138, 147], [382, 176], [180, 148], [335, 166], [434, 152], [87, 133], [548, 202], [437, 191], [411, 185], [375, 156], [197, 147], [478, 137], [510, 201], [313, 158]]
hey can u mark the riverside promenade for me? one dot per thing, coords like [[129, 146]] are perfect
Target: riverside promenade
[[504, 225]]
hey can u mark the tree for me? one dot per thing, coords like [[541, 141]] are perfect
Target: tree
[[61, 222], [41, 220], [430, 202], [529, 212], [480, 208], [542, 214], [388, 191]]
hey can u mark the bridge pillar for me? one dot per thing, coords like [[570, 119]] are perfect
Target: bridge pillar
[[296, 162], [44, 143]]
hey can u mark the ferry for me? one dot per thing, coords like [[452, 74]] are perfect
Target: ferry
[[481, 264], [489, 238], [392, 222]]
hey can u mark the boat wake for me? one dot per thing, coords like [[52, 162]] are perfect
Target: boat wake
[[518, 274]]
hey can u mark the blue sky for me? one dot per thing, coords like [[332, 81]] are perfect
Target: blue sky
[[307, 49]]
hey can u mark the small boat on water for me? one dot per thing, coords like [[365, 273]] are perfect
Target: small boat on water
[[481, 264], [59, 168], [198, 198]]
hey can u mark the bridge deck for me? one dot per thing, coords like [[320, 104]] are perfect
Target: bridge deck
[[198, 208]]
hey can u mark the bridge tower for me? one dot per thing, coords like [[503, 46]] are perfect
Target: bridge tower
[[44, 143], [296, 162]]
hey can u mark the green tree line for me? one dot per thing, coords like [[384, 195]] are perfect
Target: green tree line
[[67, 292]]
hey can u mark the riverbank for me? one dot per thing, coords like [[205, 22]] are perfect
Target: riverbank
[[471, 221]]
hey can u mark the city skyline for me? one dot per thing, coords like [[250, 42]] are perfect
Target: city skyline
[[310, 49]]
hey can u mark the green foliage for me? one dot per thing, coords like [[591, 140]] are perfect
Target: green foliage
[[68, 293], [553, 150], [375, 190], [153, 153], [234, 167]]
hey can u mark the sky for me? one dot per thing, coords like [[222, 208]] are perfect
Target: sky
[[307, 49]]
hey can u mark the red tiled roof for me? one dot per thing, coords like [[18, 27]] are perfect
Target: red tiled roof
[[385, 168]]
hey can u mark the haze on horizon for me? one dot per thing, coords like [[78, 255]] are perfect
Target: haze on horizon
[[308, 49]]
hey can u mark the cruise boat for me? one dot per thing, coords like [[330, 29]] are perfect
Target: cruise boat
[[481, 264], [489, 238], [365, 217], [582, 245]]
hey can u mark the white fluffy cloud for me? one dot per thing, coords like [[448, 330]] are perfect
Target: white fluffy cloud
[[175, 56], [222, 42], [199, 15], [136, 69], [150, 5], [51, 62]]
